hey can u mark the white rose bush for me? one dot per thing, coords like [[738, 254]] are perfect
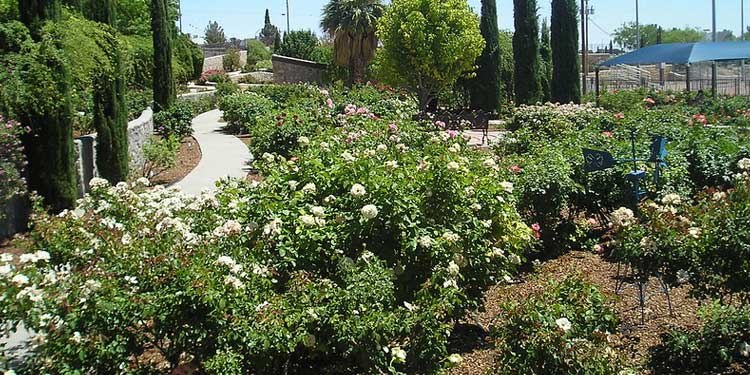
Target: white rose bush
[[336, 254]]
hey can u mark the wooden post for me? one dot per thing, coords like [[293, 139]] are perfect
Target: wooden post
[[687, 78]]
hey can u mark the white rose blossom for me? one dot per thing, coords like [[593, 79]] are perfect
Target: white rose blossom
[[564, 324], [369, 211], [358, 190]]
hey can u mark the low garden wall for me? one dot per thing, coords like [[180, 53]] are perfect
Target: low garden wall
[[291, 70], [217, 62], [16, 211], [139, 131]]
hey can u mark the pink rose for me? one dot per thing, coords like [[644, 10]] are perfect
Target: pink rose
[[515, 169], [607, 134], [329, 103], [393, 127]]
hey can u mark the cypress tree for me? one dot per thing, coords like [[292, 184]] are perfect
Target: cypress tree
[[526, 52], [110, 105], [163, 80], [485, 87], [545, 54], [33, 13], [276, 41], [566, 82], [46, 109]]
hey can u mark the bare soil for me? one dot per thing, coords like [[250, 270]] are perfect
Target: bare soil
[[633, 339], [188, 158]]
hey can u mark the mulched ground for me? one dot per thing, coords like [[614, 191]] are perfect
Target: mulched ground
[[188, 158], [634, 338]]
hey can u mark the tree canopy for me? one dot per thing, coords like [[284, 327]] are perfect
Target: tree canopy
[[214, 34], [428, 44], [627, 35]]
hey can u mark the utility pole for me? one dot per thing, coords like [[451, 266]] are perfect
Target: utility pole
[[287, 17], [714, 67], [637, 27], [584, 49], [742, 38]]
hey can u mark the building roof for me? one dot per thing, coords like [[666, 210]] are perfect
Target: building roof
[[683, 53]]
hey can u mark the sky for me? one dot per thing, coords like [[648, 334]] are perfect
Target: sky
[[244, 18]]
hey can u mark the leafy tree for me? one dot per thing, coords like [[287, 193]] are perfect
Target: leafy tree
[[409, 60], [566, 83], [627, 35], [484, 89], [352, 24], [163, 78], [526, 51], [214, 34], [269, 33], [507, 66], [110, 105], [299, 44], [545, 54], [231, 60], [726, 36]]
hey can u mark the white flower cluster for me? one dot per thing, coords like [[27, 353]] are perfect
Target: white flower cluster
[[623, 217], [671, 199], [369, 211], [744, 164], [229, 228], [235, 269]]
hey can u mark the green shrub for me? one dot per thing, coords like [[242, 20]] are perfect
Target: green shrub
[[231, 60], [159, 154], [722, 340], [175, 121], [256, 52], [299, 44], [12, 162], [355, 254], [561, 330], [137, 101], [264, 65], [242, 110]]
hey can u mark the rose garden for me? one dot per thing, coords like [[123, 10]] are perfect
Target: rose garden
[[375, 229]]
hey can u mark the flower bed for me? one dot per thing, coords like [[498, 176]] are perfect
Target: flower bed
[[355, 253]]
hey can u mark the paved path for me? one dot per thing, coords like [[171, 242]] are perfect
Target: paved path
[[223, 155]]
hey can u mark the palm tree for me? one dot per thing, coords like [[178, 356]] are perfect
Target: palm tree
[[352, 24]]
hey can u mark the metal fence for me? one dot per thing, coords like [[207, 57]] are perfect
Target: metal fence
[[724, 86]]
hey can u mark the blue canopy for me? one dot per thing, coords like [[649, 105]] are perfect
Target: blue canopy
[[683, 53]]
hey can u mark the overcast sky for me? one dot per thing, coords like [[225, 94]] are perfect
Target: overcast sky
[[244, 18]]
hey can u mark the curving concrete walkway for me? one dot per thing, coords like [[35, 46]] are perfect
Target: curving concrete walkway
[[223, 155]]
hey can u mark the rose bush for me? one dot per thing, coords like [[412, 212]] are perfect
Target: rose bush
[[360, 246], [12, 162]]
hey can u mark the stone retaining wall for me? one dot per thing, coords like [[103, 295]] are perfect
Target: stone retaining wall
[[139, 130], [291, 70], [217, 62]]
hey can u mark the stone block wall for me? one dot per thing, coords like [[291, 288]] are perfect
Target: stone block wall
[[291, 70], [217, 62]]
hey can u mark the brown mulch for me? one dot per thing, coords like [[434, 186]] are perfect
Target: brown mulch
[[10, 246], [634, 338], [188, 158]]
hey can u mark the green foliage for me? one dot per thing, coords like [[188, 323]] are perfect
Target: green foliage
[[231, 60], [214, 34], [722, 340], [13, 35], [36, 91], [256, 52], [526, 52], [175, 121], [324, 54], [133, 17], [352, 23], [545, 62], [242, 110], [33, 14], [137, 101], [561, 330], [160, 155], [566, 81], [507, 67], [332, 246], [627, 35], [227, 88], [268, 34], [485, 87], [423, 67], [139, 65], [163, 78], [12, 162], [299, 44], [215, 76], [188, 59]]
